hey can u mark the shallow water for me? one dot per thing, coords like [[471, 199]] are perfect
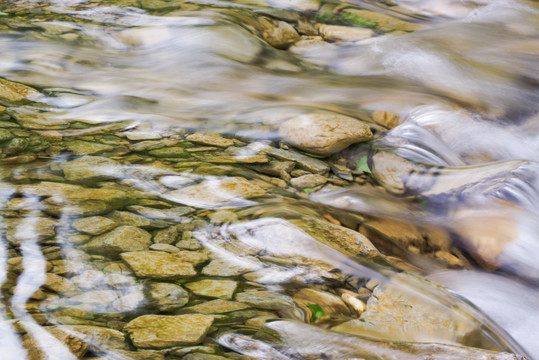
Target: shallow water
[[145, 171]]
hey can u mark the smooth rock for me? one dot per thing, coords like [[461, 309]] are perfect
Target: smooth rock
[[121, 239], [232, 267], [210, 139], [216, 193], [402, 233], [279, 34], [222, 289], [308, 181], [94, 225], [162, 331], [167, 296], [87, 148], [12, 91], [97, 337], [324, 133], [91, 168], [29, 229], [330, 303], [157, 264], [386, 119], [170, 152], [217, 307], [66, 345], [344, 33]]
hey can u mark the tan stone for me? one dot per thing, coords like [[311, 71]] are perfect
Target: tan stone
[[210, 139], [216, 193], [222, 289], [121, 239], [12, 91], [94, 225], [330, 303], [217, 307], [386, 119], [279, 34], [402, 233], [157, 264], [162, 331], [30, 229], [324, 133], [66, 345], [344, 33]]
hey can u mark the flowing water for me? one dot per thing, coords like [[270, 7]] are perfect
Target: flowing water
[[166, 192]]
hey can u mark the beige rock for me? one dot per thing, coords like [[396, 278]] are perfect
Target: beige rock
[[344, 33], [391, 171], [67, 345], [384, 22], [91, 168], [60, 285], [157, 264], [161, 331], [308, 181], [97, 337], [323, 133], [216, 193], [355, 303], [29, 229], [210, 139], [230, 267], [279, 34], [12, 91], [87, 148], [167, 296], [164, 247], [330, 303], [222, 289], [121, 239], [386, 119], [94, 225], [402, 233], [217, 307]]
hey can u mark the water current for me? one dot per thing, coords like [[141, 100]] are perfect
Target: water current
[[269, 179]]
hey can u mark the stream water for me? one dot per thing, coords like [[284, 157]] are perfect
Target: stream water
[[269, 179]]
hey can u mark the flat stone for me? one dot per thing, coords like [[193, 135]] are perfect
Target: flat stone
[[128, 218], [157, 264], [164, 247], [91, 168], [216, 193], [29, 229], [222, 289], [97, 337], [397, 315], [308, 181], [385, 23], [120, 240], [79, 147], [166, 236], [344, 239], [40, 121], [5, 135], [60, 285], [324, 133], [232, 267], [74, 200], [68, 346], [344, 33], [402, 233], [279, 34], [305, 162], [89, 279], [12, 91], [162, 331], [170, 152], [167, 296], [267, 300], [210, 139], [94, 225], [217, 307], [143, 135], [386, 119]]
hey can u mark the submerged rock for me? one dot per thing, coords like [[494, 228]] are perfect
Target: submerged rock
[[167, 296], [222, 289], [163, 331], [12, 91], [324, 133], [216, 193], [91, 168], [344, 33], [120, 240], [94, 225], [157, 264]]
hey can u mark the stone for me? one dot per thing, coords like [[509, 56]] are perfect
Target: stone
[[344, 33], [308, 181], [279, 34], [354, 303], [164, 331], [97, 337], [391, 171], [60, 285], [344, 239], [385, 23], [157, 264], [268, 300], [79, 147], [222, 217], [128, 218], [330, 303], [143, 135], [39, 121], [398, 315], [232, 267], [166, 296], [215, 193], [67, 346], [166, 236], [305, 162], [74, 200], [402, 233], [89, 279], [24, 229], [164, 247], [5, 135], [217, 307], [91, 168], [121, 239], [222, 289], [324, 133], [94, 225], [210, 139], [170, 152], [12, 91], [386, 119]]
